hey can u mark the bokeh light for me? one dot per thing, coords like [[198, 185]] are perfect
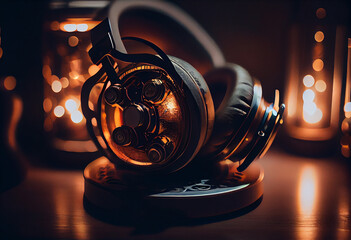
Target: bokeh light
[[321, 13], [347, 110], [10, 83], [76, 116], [321, 86], [318, 65], [59, 111], [71, 105], [310, 107], [308, 81], [313, 117], [73, 41], [55, 26], [56, 86], [47, 104], [64, 82], [82, 27], [93, 69], [69, 27], [308, 95], [319, 36]]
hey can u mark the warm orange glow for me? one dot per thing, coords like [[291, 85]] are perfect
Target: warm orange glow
[[318, 65], [93, 69], [59, 111], [64, 82], [307, 202], [321, 13], [73, 41], [345, 126], [9, 134], [307, 191], [276, 100], [1, 52], [91, 105], [47, 104], [52, 79], [75, 145], [74, 75], [319, 36], [46, 71], [55, 26], [308, 81], [94, 122], [48, 125], [308, 95], [321, 86], [71, 105], [346, 151], [82, 27], [76, 116], [171, 105], [56, 86], [10, 83], [89, 47]]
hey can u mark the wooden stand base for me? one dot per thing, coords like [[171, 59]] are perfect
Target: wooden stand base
[[109, 190]]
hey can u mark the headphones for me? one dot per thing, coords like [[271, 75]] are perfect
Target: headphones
[[155, 112]]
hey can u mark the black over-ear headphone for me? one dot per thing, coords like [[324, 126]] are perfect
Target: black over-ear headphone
[[156, 113]]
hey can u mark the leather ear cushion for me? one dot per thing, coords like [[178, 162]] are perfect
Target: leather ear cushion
[[199, 114], [231, 87], [201, 88]]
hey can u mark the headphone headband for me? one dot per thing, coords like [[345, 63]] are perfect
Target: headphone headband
[[168, 12]]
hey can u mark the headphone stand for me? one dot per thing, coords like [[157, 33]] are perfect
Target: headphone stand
[[107, 193]]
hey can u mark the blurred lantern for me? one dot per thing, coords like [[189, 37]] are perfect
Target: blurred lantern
[[314, 77], [346, 123], [66, 66]]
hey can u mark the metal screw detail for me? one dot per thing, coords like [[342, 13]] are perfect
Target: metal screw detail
[[154, 90], [114, 94], [124, 136]]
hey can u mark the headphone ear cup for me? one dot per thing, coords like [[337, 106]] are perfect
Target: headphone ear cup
[[232, 92], [203, 113]]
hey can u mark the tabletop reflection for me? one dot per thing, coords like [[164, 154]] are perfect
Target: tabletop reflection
[[307, 203]]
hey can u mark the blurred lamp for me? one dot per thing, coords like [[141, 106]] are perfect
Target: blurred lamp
[[66, 66], [314, 80]]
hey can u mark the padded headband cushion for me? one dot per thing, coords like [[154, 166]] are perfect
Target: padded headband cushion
[[231, 87]]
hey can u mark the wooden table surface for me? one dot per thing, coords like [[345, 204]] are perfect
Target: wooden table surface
[[304, 198]]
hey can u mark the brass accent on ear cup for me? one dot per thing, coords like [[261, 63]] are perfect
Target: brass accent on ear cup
[[154, 90], [115, 94], [156, 154], [124, 136], [159, 108], [135, 115], [160, 149]]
